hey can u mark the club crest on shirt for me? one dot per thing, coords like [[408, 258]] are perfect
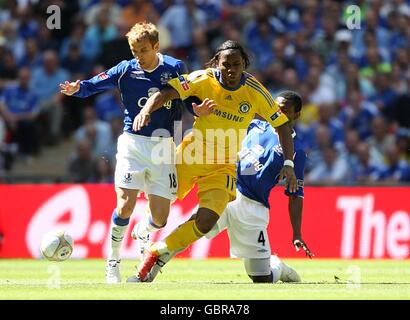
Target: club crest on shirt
[[151, 91], [165, 77], [127, 178], [244, 107]]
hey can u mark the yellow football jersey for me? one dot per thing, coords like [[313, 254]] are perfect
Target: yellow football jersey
[[222, 131]]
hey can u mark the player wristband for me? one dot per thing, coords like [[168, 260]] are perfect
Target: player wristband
[[289, 163]]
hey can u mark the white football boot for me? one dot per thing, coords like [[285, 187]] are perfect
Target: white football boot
[[143, 242], [112, 272], [287, 273]]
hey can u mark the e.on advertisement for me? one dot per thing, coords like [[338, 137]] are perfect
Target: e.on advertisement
[[338, 222]]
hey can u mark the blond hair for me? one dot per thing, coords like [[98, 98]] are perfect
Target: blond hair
[[141, 31]]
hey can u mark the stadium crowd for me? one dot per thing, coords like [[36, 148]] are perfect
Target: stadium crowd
[[355, 82]]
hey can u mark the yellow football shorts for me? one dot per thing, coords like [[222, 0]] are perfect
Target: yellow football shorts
[[216, 182]]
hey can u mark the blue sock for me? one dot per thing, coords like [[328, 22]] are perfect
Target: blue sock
[[118, 220]]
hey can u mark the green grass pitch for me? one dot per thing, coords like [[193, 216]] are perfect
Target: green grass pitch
[[214, 279]]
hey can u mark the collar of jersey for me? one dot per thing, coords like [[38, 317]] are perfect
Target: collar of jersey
[[218, 76], [160, 63]]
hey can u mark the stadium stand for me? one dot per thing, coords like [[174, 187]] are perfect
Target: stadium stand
[[355, 82]]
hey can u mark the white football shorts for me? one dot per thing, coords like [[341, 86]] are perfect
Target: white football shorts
[[246, 221], [146, 164]]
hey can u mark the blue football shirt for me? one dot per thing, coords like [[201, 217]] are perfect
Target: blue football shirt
[[261, 159], [136, 86]]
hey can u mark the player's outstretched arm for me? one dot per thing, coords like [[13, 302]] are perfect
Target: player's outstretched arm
[[286, 141], [295, 214], [69, 88], [156, 101]]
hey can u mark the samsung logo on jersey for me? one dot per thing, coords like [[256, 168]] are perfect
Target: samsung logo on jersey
[[227, 115]]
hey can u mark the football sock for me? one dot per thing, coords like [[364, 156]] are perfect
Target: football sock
[[118, 228], [147, 226], [183, 236]]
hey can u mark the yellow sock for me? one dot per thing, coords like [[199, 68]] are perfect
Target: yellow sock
[[183, 236]]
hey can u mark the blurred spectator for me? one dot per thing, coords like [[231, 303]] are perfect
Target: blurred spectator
[[97, 132], [321, 85], [372, 64], [117, 49], [19, 108], [82, 167], [113, 9], [325, 42], [315, 149], [397, 170], [355, 81], [381, 139], [108, 105], [371, 24], [352, 139], [403, 143], [182, 20], [8, 68], [333, 169], [77, 36], [45, 82], [105, 173], [259, 37], [13, 41], [401, 105], [139, 11], [358, 114], [327, 118], [32, 56], [365, 171], [76, 63], [99, 33], [384, 97], [9, 11], [337, 71], [28, 26]]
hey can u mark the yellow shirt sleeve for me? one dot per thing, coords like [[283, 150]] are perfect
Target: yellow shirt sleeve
[[188, 84], [266, 106]]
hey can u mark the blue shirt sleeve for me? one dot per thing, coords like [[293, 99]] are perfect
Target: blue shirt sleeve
[[299, 161], [182, 68], [104, 81]]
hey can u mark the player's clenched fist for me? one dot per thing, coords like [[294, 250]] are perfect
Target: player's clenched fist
[[69, 88]]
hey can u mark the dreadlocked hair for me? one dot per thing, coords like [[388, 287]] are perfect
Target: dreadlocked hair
[[228, 45]]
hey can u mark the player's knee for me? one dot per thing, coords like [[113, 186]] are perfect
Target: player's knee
[[205, 219], [215, 200]]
